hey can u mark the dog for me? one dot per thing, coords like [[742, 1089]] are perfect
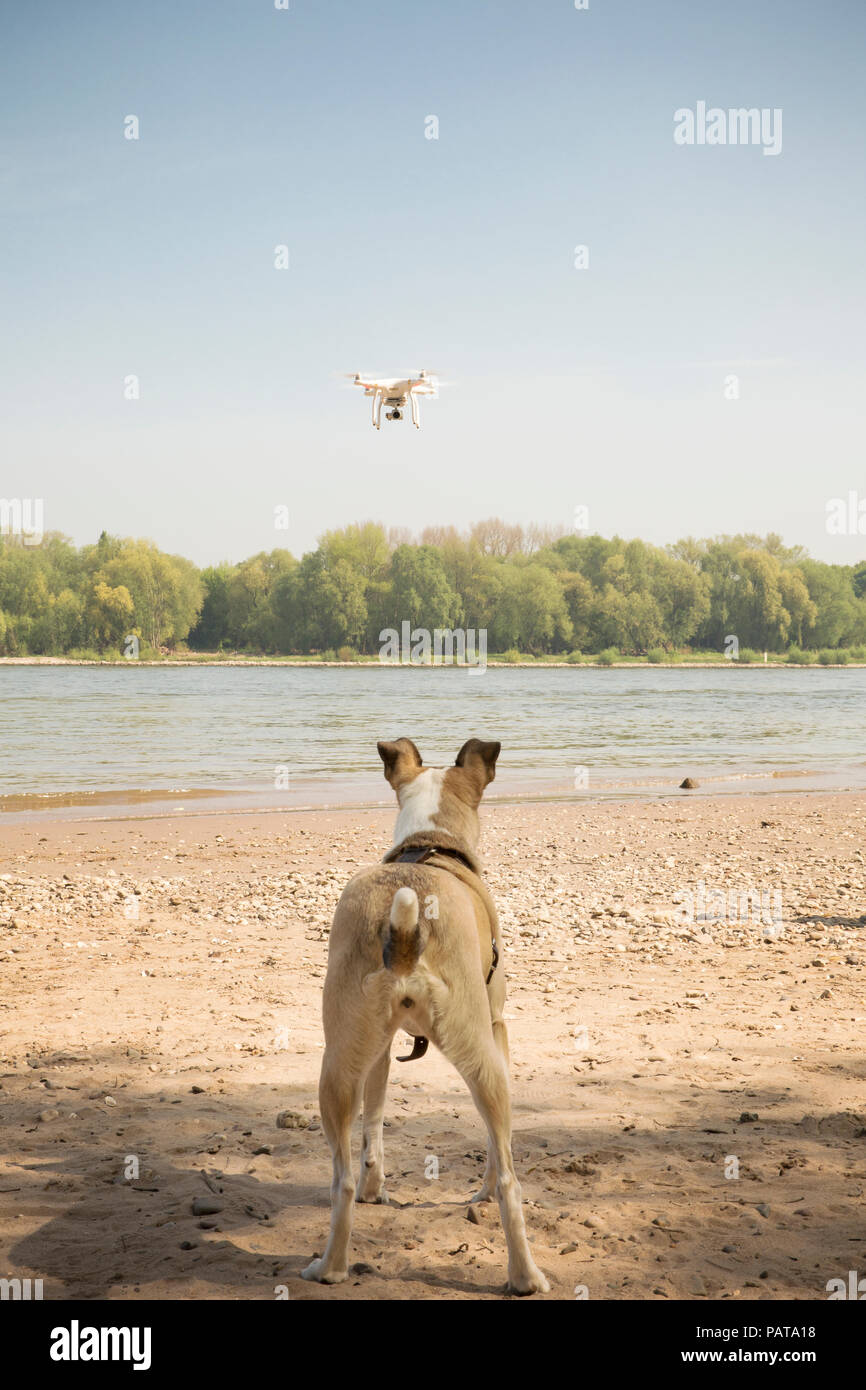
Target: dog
[[414, 945]]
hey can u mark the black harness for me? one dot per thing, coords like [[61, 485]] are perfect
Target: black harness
[[419, 854]]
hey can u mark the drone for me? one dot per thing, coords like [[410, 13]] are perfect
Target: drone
[[394, 392]]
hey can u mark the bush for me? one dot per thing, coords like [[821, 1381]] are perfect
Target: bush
[[749, 655], [347, 654], [574, 658], [89, 654], [840, 657], [607, 657], [511, 655], [857, 653], [797, 657], [655, 656], [329, 655]]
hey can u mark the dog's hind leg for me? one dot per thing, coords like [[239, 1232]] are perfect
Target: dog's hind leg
[[372, 1177], [496, 1000], [339, 1094], [487, 1078]]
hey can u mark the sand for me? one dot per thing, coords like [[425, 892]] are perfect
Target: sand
[[689, 1098]]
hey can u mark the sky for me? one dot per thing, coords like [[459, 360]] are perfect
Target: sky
[[606, 387]]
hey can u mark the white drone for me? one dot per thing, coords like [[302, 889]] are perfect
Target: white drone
[[394, 392]]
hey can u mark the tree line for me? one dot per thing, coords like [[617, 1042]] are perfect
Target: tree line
[[534, 590]]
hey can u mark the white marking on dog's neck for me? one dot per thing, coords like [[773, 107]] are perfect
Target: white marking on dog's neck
[[419, 802]]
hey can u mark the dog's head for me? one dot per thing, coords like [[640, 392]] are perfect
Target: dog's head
[[439, 798]]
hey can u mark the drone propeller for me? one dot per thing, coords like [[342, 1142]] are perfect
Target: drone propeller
[[355, 378]]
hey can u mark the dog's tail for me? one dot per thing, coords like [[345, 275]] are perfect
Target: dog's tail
[[406, 936]]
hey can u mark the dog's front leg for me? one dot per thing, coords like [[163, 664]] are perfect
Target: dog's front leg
[[372, 1177], [338, 1099]]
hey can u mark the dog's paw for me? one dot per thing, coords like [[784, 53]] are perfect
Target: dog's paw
[[315, 1270], [485, 1195], [529, 1281], [379, 1199]]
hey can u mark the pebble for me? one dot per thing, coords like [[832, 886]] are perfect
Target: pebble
[[205, 1206], [290, 1119]]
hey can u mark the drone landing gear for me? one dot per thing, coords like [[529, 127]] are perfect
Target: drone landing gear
[[396, 413]]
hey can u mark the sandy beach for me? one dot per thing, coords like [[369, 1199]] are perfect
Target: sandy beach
[[689, 1095]]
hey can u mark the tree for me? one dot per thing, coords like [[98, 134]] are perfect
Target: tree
[[497, 537], [321, 605], [211, 630], [165, 589], [419, 590], [840, 616], [251, 619], [110, 615], [532, 614]]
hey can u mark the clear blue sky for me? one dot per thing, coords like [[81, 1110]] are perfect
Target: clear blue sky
[[601, 387]]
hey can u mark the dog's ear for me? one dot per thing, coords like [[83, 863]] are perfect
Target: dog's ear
[[402, 761], [478, 761]]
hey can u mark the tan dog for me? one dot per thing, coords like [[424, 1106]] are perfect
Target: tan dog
[[431, 971]]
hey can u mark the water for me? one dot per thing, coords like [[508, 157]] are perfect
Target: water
[[81, 740]]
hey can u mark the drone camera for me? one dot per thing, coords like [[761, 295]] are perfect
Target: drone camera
[[393, 415]]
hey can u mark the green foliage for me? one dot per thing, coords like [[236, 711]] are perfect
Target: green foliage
[[546, 595], [798, 657]]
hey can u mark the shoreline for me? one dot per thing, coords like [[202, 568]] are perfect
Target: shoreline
[[303, 662], [129, 812]]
